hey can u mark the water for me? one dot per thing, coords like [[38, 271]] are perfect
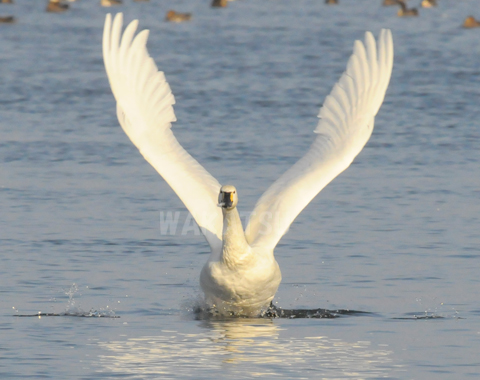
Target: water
[[396, 235]]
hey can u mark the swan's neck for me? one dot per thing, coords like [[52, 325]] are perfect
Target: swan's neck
[[236, 251]]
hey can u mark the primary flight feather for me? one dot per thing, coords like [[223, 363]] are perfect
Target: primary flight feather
[[241, 275]]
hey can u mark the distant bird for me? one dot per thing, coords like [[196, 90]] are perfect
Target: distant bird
[[56, 6], [429, 3], [470, 22], [7, 19], [331, 2], [404, 11], [241, 275], [173, 16], [6, 1], [219, 3], [109, 3]]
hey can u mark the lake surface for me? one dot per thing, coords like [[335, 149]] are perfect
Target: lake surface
[[396, 235]]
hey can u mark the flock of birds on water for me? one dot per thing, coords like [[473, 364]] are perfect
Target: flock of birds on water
[[57, 6]]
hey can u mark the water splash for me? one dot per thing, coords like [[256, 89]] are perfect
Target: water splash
[[202, 311], [437, 311], [71, 303], [73, 310]]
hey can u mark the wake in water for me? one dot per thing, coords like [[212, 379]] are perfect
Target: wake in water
[[91, 314], [415, 316], [202, 311], [278, 312], [72, 310]]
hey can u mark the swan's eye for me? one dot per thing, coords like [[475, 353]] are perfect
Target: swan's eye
[[231, 197]]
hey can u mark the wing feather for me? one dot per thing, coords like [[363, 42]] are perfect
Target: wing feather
[[145, 112], [346, 124]]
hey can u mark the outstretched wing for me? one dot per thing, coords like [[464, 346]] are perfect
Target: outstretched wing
[[346, 123], [145, 112]]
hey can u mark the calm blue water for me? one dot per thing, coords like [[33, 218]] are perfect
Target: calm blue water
[[396, 235]]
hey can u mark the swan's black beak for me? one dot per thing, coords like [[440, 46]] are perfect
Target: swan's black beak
[[225, 199]]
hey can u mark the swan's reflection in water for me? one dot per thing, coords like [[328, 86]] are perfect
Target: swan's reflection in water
[[246, 347], [245, 341]]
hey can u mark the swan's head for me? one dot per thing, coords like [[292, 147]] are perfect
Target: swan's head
[[228, 197]]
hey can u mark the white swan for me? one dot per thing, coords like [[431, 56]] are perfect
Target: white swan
[[241, 275]]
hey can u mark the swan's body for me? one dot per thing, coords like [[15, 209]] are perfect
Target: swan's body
[[241, 278], [241, 275]]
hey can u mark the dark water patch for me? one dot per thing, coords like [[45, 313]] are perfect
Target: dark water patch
[[421, 316], [465, 256], [277, 312], [415, 317], [56, 241], [96, 243], [205, 313], [12, 101], [90, 314], [99, 288], [412, 278]]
